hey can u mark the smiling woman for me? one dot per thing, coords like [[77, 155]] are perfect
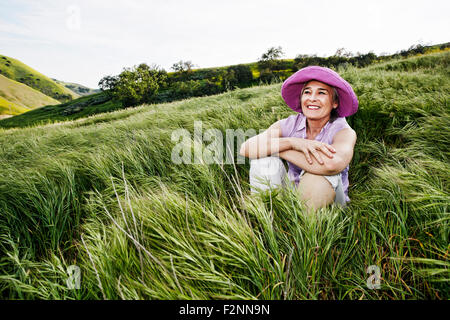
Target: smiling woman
[[317, 142], [324, 91]]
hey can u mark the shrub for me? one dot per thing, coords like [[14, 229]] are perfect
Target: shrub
[[135, 85]]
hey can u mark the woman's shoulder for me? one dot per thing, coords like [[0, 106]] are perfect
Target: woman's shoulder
[[292, 118], [337, 125], [287, 125], [340, 123]]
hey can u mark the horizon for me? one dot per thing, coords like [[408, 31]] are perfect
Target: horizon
[[83, 41]]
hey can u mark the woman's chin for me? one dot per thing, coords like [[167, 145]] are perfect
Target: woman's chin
[[314, 115]]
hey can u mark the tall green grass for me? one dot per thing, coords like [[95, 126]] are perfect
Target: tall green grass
[[102, 193]]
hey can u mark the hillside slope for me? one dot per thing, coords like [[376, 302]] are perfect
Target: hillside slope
[[20, 72], [104, 193], [21, 95], [75, 109], [8, 108], [77, 88]]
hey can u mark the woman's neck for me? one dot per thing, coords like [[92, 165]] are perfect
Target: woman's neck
[[313, 127]]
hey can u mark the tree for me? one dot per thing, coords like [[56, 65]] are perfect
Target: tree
[[268, 63], [237, 76], [364, 60], [108, 83], [272, 54], [183, 66], [138, 84], [342, 52], [243, 73]]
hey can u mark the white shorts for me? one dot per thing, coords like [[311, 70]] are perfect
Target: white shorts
[[270, 172]]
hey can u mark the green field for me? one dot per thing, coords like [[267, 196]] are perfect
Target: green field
[[102, 193]]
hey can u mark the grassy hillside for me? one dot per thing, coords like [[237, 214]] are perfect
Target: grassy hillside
[[9, 108], [77, 88], [75, 109], [20, 72], [207, 81], [102, 193], [21, 95], [252, 65]]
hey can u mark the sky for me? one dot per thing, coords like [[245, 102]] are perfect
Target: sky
[[82, 41]]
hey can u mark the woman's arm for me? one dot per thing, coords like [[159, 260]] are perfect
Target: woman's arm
[[343, 144], [266, 143], [270, 143]]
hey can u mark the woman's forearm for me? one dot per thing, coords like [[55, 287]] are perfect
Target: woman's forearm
[[264, 146], [298, 158]]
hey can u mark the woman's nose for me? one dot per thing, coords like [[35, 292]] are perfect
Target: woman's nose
[[313, 96]]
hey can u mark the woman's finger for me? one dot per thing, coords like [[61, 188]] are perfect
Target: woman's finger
[[306, 153], [331, 148], [328, 146], [327, 152], [316, 155]]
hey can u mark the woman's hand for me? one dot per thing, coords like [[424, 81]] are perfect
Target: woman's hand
[[311, 147]]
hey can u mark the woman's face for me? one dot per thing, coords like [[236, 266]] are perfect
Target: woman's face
[[317, 100]]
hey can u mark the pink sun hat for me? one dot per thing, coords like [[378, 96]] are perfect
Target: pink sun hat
[[292, 88]]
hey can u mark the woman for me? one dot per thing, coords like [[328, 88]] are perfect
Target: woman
[[317, 142]]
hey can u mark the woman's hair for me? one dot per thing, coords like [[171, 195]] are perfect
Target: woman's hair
[[334, 114]]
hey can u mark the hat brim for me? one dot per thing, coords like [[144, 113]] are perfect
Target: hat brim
[[292, 88]]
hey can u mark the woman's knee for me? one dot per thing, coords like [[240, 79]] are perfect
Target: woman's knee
[[266, 161], [316, 190], [268, 170], [267, 166]]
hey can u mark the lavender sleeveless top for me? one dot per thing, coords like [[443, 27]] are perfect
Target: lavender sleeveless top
[[295, 126]]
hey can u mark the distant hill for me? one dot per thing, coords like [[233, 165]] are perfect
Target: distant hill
[[18, 97], [20, 72], [77, 88]]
